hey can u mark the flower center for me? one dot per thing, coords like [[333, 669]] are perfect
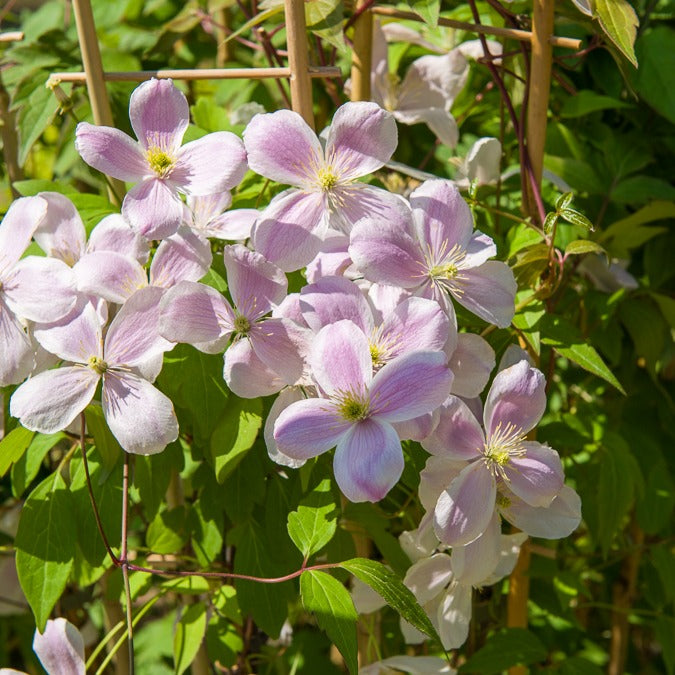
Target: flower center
[[353, 407], [327, 178], [242, 324], [505, 442], [448, 271], [97, 365], [160, 162], [376, 354]]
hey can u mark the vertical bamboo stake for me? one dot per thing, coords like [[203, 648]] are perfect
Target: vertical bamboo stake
[[93, 67], [298, 60], [362, 54]]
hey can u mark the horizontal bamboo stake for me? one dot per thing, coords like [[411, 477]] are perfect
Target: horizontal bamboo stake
[[195, 74], [514, 33], [12, 36]]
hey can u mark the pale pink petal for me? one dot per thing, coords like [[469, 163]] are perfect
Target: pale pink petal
[[340, 359], [354, 201], [368, 461], [439, 120], [60, 648], [457, 434], [184, 256], [555, 521], [309, 428], [463, 511], [427, 578], [133, 336], [489, 292], [512, 355], [286, 397], [205, 208], [454, 615], [288, 232], [282, 147], [109, 275], [418, 428], [246, 375], [51, 400], [482, 161], [509, 550], [114, 233], [196, 314], [235, 225], [410, 385], [518, 397], [111, 152], [537, 476], [159, 114], [365, 600], [15, 346], [438, 473], [153, 209], [17, 228], [481, 248], [332, 260], [40, 289], [61, 233], [140, 417], [384, 299], [255, 284], [472, 361], [475, 562], [213, 163], [280, 345]]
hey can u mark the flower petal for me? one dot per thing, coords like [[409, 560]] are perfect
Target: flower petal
[[472, 361], [17, 228], [109, 275], [437, 474], [61, 233], [18, 356], [60, 648], [281, 344], [439, 120], [286, 397], [332, 260], [246, 375], [428, 577], [458, 434], [51, 400], [454, 615], [114, 233], [463, 511], [475, 562], [480, 249], [153, 209], [140, 417], [349, 203], [235, 225], [184, 256], [537, 476], [368, 461]]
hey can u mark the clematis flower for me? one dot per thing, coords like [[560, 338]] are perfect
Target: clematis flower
[[499, 459], [434, 252], [157, 163], [326, 191], [60, 648], [139, 416], [204, 215], [359, 409]]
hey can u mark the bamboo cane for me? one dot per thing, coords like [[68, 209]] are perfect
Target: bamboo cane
[[298, 60], [11, 36], [362, 54]]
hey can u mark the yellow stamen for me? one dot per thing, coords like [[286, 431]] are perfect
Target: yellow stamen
[[160, 162], [97, 365]]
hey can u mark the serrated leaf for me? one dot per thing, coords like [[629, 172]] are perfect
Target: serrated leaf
[[106, 443], [508, 647], [331, 604], [12, 447], [581, 246], [45, 546], [576, 218], [394, 592], [188, 636], [314, 523], [620, 23]]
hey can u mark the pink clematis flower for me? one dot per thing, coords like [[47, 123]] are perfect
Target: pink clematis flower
[[157, 163], [139, 415], [359, 409], [499, 459], [326, 191]]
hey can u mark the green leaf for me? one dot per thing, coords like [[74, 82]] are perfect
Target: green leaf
[[332, 605], [313, 525], [235, 434], [641, 189], [12, 447], [568, 342], [564, 200], [550, 221], [188, 585], [508, 647], [576, 218], [665, 629], [427, 9], [527, 320], [167, 532], [585, 102], [394, 592], [581, 246], [106, 443], [33, 119], [45, 546], [654, 510], [646, 327], [628, 232], [188, 637], [206, 526], [325, 17], [619, 22], [28, 465]]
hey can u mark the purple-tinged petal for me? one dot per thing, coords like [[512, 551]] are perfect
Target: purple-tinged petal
[[281, 146], [204, 208], [114, 233], [537, 476], [111, 152], [281, 344], [159, 115], [472, 361], [235, 225], [246, 375], [196, 314], [439, 120], [480, 249], [463, 511], [361, 139], [438, 473], [340, 359], [109, 275], [61, 233], [384, 299], [255, 284], [457, 434], [489, 292], [286, 397], [40, 289], [288, 232], [518, 397], [354, 201], [334, 298], [555, 521], [427, 578], [332, 260], [51, 400], [509, 550], [153, 209], [309, 428], [368, 461], [184, 256], [512, 355], [17, 228], [442, 218], [454, 616], [133, 336], [475, 562], [18, 358], [213, 163], [418, 428], [60, 648], [289, 308], [140, 417], [482, 161], [410, 385], [77, 337]]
